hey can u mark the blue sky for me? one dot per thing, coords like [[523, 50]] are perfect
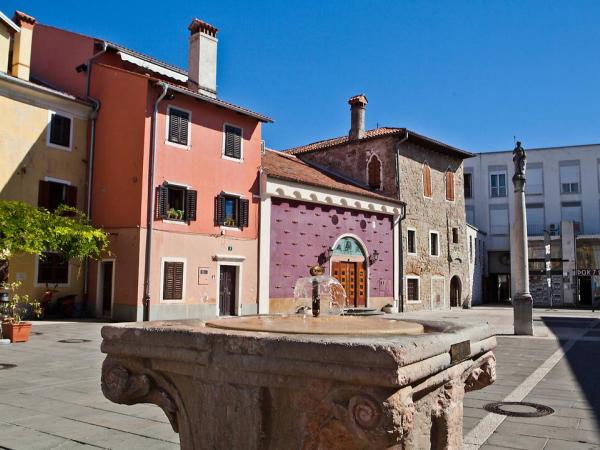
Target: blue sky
[[470, 73]]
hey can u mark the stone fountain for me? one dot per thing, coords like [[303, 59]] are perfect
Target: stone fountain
[[302, 382]]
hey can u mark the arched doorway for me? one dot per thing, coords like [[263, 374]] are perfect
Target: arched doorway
[[455, 291], [348, 266]]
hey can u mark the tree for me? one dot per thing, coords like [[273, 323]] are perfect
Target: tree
[[27, 229]]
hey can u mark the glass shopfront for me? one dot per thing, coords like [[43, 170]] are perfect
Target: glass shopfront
[[588, 272]]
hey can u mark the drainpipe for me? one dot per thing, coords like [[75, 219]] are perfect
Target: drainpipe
[[400, 243], [94, 115], [150, 210]]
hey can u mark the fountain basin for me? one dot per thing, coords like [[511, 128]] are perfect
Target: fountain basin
[[266, 383], [327, 325]]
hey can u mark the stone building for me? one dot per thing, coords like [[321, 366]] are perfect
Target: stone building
[[308, 217], [428, 176]]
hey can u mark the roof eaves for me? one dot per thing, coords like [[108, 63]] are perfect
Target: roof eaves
[[9, 22]]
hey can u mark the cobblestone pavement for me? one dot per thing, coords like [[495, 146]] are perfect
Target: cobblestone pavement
[[52, 398]]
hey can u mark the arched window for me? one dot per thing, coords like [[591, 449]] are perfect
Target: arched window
[[427, 191], [374, 172], [449, 185]]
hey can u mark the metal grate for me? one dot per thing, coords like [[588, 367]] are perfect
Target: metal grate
[[519, 409]]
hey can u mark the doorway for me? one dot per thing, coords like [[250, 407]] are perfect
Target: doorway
[[352, 277], [106, 287], [455, 291], [585, 290], [499, 288], [227, 290]]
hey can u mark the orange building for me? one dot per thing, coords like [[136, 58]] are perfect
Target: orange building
[[174, 176]]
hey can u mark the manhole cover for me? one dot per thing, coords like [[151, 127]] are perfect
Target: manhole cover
[[73, 341], [6, 366], [519, 409]]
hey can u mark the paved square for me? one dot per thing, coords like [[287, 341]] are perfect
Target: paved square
[[52, 398]]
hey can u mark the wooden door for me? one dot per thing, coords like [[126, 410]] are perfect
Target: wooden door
[[227, 287], [352, 276], [107, 282]]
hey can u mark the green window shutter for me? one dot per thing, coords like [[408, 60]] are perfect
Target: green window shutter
[[191, 198]]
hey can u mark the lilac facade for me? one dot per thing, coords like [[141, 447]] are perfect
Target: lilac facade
[[301, 232]]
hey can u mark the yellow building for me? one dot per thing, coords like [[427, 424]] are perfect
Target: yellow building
[[43, 155]]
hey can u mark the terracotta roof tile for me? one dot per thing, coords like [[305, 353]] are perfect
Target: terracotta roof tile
[[287, 167]]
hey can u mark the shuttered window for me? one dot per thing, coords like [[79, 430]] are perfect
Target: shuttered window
[[231, 211], [412, 289], [60, 130], [173, 280], [176, 203], [233, 142], [52, 194], [374, 172], [427, 191], [450, 185], [179, 126], [53, 268]]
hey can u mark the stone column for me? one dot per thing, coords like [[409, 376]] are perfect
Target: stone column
[[522, 300]]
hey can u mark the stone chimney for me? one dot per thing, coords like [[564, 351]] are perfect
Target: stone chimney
[[21, 55], [358, 104], [202, 58]]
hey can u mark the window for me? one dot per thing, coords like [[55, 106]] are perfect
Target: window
[[374, 172], [468, 185], [535, 179], [176, 203], [535, 219], [231, 211], [470, 211], [572, 211], [455, 235], [498, 184], [178, 131], [569, 177], [52, 194], [499, 220], [173, 279], [449, 185], [232, 147], [53, 268], [471, 248], [59, 132], [427, 188], [411, 241], [434, 243], [412, 289]]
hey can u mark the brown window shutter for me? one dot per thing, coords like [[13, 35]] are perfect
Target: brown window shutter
[[178, 281], [427, 191], [190, 204], [44, 194], [233, 142], [183, 127], [60, 130], [244, 207], [169, 280], [219, 209], [174, 126], [449, 185], [71, 196], [162, 203]]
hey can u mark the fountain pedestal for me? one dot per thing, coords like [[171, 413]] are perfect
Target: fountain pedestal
[[230, 388]]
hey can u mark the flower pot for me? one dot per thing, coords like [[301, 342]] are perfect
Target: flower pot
[[16, 332]]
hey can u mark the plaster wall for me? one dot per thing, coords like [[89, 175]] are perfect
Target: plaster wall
[[302, 231], [477, 260], [4, 47], [27, 158]]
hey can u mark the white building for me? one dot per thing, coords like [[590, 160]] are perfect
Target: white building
[[563, 185]]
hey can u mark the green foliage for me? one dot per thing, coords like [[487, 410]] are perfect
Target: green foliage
[[27, 229], [18, 306]]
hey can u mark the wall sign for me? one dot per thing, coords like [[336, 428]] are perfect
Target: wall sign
[[587, 272]]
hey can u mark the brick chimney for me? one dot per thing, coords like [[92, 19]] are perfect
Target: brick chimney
[[202, 58], [358, 104], [21, 55]]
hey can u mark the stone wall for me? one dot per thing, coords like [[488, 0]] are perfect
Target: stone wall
[[423, 214]]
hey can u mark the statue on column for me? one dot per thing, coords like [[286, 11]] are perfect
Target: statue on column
[[520, 160]]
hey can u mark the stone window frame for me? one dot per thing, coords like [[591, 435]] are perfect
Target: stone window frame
[[412, 277], [51, 114], [408, 252], [374, 155], [166, 259], [437, 233], [168, 125]]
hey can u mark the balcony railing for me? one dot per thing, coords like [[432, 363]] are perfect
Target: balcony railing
[[534, 229]]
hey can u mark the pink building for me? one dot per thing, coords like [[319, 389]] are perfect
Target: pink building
[[174, 174]]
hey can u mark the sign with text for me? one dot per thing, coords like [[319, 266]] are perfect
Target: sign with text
[[587, 272]]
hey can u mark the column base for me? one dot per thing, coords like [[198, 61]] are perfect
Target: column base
[[523, 314]]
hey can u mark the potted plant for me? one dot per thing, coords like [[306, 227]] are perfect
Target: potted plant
[[15, 310], [172, 213]]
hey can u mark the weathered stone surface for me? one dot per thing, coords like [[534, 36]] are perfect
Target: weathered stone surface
[[228, 389]]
